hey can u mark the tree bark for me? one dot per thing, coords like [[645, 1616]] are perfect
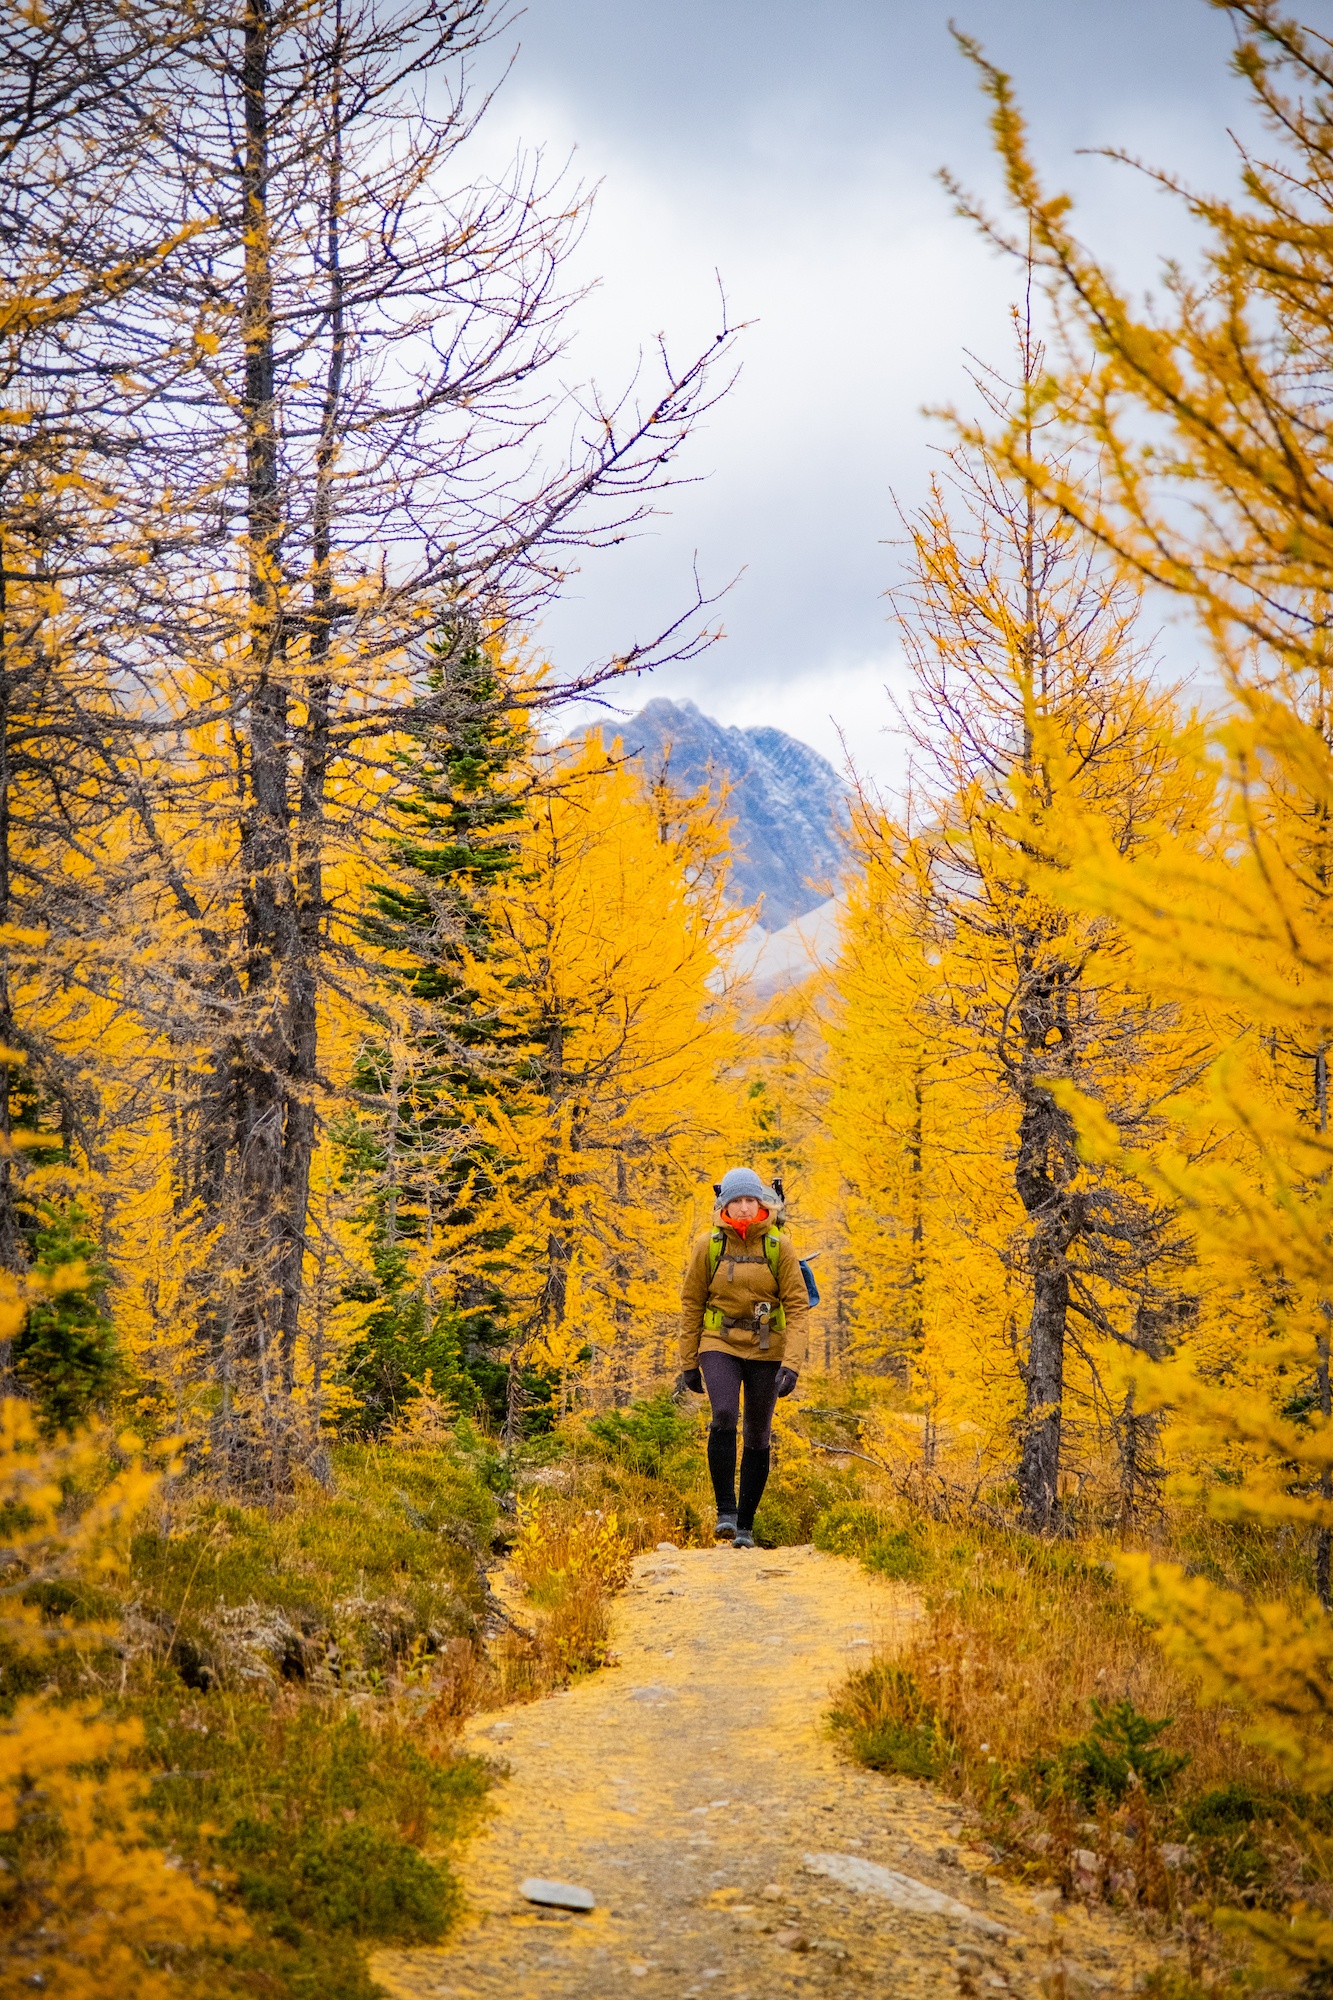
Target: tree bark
[[1045, 1153], [259, 1060], [303, 974]]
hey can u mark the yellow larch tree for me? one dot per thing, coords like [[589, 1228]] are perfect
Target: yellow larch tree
[[918, 1153], [1217, 454], [607, 957], [1032, 702]]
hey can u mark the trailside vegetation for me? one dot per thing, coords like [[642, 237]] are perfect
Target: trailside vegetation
[[368, 1054]]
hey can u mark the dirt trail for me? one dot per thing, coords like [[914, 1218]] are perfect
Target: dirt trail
[[694, 1790]]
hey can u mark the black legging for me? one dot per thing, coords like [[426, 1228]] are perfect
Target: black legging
[[724, 1378]]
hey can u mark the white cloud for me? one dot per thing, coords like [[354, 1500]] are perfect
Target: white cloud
[[792, 169]]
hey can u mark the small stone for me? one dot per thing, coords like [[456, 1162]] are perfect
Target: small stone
[[1047, 1900], [1174, 1854], [667, 1548], [792, 1940], [773, 1891], [1085, 1861], [947, 1858], [556, 1895]]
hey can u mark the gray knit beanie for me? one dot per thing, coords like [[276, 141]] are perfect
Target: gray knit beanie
[[738, 1182]]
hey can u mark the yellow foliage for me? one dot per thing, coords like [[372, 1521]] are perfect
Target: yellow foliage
[[556, 1551], [1221, 496], [89, 1908], [49, 1540], [604, 962]]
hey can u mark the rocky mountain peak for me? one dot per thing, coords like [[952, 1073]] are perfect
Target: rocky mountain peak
[[787, 802]]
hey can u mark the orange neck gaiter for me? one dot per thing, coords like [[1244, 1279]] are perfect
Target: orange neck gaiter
[[741, 1228]]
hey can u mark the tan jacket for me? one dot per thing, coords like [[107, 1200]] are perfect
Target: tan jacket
[[743, 1277]]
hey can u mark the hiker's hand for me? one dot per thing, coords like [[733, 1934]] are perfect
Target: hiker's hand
[[693, 1380], [787, 1379]]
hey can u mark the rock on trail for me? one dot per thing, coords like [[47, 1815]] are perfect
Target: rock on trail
[[694, 1790]]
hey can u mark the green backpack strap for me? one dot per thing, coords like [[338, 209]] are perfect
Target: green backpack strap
[[773, 1250], [713, 1258]]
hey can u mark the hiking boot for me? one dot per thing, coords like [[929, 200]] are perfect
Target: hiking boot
[[725, 1530], [744, 1538]]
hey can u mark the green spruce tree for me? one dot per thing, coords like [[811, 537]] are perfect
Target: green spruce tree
[[65, 1358], [411, 1146]]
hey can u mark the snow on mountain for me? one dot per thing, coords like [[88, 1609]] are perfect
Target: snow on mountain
[[772, 960]]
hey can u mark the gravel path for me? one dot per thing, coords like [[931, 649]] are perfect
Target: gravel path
[[694, 1790]]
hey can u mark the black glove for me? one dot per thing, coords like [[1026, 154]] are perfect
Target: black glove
[[786, 1381], [693, 1380]]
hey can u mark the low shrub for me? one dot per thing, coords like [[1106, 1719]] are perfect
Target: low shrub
[[890, 1723], [572, 1559], [848, 1529], [318, 1815], [655, 1437], [1034, 1693], [354, 1879], [899, 1555], [89, 1903], [1120, 1754]]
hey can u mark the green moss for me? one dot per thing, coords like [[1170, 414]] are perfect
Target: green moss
[[319, 1818], [356, 1577]]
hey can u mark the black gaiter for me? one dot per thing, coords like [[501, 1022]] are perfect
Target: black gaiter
[[722, 1467], [754, 1478]]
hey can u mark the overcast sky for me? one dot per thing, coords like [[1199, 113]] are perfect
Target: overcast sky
[[792, 148]]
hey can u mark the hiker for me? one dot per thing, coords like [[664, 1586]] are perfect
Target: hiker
[[744, 1306]]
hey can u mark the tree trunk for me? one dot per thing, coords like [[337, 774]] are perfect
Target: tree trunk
[[1323, 1561], [1043, 1378], [260, 1055], [303, 973], [13, 1250], [1046, 1162]]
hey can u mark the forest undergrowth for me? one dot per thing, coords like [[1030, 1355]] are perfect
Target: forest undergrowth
[[290, 1681], [273, 1695], [1089, 1765]]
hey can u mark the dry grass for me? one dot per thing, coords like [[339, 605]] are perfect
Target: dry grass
[[575, 1536], [1027, 1693]]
